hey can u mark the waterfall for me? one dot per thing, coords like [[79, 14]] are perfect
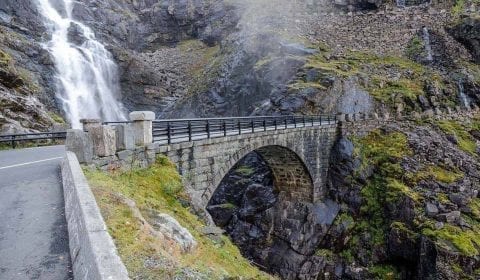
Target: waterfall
[[463, 97], [401, 3], [428, 46], [87, 76]]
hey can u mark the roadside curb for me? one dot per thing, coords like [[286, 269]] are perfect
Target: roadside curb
[[93, 253]]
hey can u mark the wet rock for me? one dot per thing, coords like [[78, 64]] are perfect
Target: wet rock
[[427, 264], [221, 213], [467, 32], [75, 35]]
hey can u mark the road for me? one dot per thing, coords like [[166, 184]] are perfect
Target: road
[[33, 229]]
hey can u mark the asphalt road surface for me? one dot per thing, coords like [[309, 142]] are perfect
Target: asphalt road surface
[[33, 229]]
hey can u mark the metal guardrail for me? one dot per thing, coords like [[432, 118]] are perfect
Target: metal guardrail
[[183, 130], [13, 139]]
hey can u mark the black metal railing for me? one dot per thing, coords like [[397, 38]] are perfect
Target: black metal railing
[[183, 130], [14, 139]]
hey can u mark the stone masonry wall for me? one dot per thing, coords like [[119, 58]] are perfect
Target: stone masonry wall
[[299, 158], [203, 164]]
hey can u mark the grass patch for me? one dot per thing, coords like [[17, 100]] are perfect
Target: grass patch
[[56, 117], [383, 151], [384, 272], [466, 242], [437, 173], [415, 47], [474, 206], [159, 188], [465, 140], [206, 67]]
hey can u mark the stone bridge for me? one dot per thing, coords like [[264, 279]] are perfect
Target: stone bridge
[[297, 157]]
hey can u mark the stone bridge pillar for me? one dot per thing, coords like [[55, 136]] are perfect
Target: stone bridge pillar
[[142, 126]]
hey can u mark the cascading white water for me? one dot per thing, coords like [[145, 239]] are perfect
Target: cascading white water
[[428, 46], [401, 3], [463, 97], [88, 79]]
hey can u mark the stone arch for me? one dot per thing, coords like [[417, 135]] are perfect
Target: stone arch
[[291, 176]]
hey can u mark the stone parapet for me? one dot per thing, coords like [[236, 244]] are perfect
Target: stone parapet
[[94, 255]]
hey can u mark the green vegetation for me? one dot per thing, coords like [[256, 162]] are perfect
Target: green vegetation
[[443, 198], [466, 242], [465, 140], [158, 188], [458, 8], [5, 59], [206, 66], [383, 150], [244, 170], [403, 228], [56, 117], [384, 272], [474, 206], [437, 173], [326, 253], [415, 47]]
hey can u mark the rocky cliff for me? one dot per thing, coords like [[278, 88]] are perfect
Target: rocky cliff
[[403, 199], [211, 58]]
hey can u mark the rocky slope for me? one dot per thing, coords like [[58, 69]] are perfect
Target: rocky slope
[[403, 200], [211, 58], [402, 203]]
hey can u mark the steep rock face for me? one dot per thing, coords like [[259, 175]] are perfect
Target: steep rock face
[[26, 71], [149, 24], [467, 31], [265, 224], [409, 194]]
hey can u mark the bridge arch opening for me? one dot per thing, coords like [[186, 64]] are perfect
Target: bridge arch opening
[[263, 203]]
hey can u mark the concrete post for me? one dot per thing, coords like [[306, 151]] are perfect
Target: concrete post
[[125, 137], [80, 143], [340, 117], [88, 123], [104, 140], [142, 127]]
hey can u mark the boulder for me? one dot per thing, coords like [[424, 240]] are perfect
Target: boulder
[[171, 229]]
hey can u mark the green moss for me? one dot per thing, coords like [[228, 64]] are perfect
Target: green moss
[[204, 72], [5, 59], [56, 118], [383, 151], [459, 7], [346, 220], [466, 242], [326, 253], [384, 272], [415, 47], [244, 170], [397, 189], [404, 228], [390, 89], [347, 255], [437, 173], [159, 188], [299, 85], [379, 148], [474, 206], [443, 198], [465, 140]]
